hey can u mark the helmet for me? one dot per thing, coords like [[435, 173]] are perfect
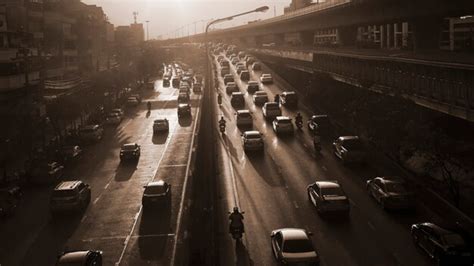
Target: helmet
[[236, 209]]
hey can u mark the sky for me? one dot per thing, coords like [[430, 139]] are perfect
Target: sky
[[167, 16]]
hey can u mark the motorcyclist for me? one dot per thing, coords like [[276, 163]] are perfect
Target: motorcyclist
[[298, 119], [222, 122], [219, 98], [149, 106], [277, 98], [236, 220]]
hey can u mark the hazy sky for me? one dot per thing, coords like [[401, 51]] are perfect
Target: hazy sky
[[166, 16]]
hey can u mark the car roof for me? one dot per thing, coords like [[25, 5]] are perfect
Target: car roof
[[267, 74], [228, 75], [75, 256], [327, 184], [391, 179], [289, 92], [158, 183], [251, 132], [238, 93], [272, 103], [129, 145], [319, 116], [279, 118], [117, 109], [182, 105], [67, 185], [294, 234], [243, 111], [231, 84], [261, 93], [244, 71], [348, 137], [160, 120], [252, 82]]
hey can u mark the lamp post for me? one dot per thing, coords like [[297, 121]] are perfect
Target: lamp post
[[147, 36]]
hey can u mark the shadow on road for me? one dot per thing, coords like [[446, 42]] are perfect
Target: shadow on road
[[242, 254], [125, 171], [153, 232], [185, 121], [158, 139], [267, 169]]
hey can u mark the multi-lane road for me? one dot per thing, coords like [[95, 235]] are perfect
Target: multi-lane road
[[271, 189], [113, 222]]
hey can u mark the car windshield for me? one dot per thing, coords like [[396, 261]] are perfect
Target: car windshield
[[453, 240], [332, 191], [297, 246], [129, 147], [155, 190], [395, 187], [353, 144]]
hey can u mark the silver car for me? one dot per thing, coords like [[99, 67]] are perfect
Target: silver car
[[350, 149], [391, 192], [328, 196], [293, 246], [252, 141], [283, 125], [244, 118]]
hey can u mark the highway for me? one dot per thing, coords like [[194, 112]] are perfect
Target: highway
[[114, 221], [271, 189]]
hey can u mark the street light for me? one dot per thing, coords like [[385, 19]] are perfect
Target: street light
[[147, 38]]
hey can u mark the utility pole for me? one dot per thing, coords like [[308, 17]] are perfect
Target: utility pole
[[135, 15], [147, 36]]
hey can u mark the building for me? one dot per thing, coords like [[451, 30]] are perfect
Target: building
[[458, 34], [130, 36], [297, 4]]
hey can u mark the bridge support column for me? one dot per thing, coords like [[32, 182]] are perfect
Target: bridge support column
[[426, 33], [347, 36]]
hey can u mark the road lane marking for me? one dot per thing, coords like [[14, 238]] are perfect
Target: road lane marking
[[153, 235], [82, 220], [352, 203], [296, 204], [173, 165], [183, 194], [106, 186], [96, 200], [371, 225], [324, 168]]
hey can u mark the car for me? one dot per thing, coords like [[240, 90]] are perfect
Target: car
[[349, 149], [228, 78], [175, 82], [260, 98], [282, 125], [237, 99], [113, 119], [292, 246], [220, 58], [240, 64], [289, 99], [391, 192], [231, 87], [442, 245], [70, 196], [234, 60], [244, 118], [328, 197], [70, 152], [42, 172], [118, 111], [271, 110], [266, 78], [225, 71], [256, 66], [252, 87], [197, 87], [137, 96], [156, 193], [250, 60], [166, 82], [245, 75], [320, 123], [239, 69], [224, 63], [79, 258], [130, 151], [183, 97], [252, 141], [132, 101], [90, 133], [160, 125], [184, 109]]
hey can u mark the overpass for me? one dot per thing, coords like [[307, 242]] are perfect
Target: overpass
[[403, 48]]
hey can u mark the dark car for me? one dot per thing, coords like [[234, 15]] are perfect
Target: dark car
[[80, 258], [130, 151], [228, 78], [166, 83], [391, 192], [184, 109], [68, 153], [175, 82], [224, 63], [442, 245], [237, 100], [245, 75], [320, 124], [289, 99], [350, 149], [252, 87], [156, 193]]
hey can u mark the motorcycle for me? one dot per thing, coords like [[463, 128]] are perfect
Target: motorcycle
[[236, 233], [222, 128], [299, 124]]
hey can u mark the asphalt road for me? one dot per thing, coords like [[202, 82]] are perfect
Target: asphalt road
[[114, 221], [271, 189]]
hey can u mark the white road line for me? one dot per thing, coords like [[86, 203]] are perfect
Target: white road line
[[352, 203], [153, 235], [173, 165], [296, 204], [96, 200], [371, 225], [324, 168], [183, 194], [82, 220], [106, 186], [168, 140]]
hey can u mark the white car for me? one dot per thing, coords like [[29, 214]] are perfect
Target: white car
[[266, 78], [252, 141], [283, 125], [328, 196], [271, 110], [244, 118], [160, 125], [292, 246]]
